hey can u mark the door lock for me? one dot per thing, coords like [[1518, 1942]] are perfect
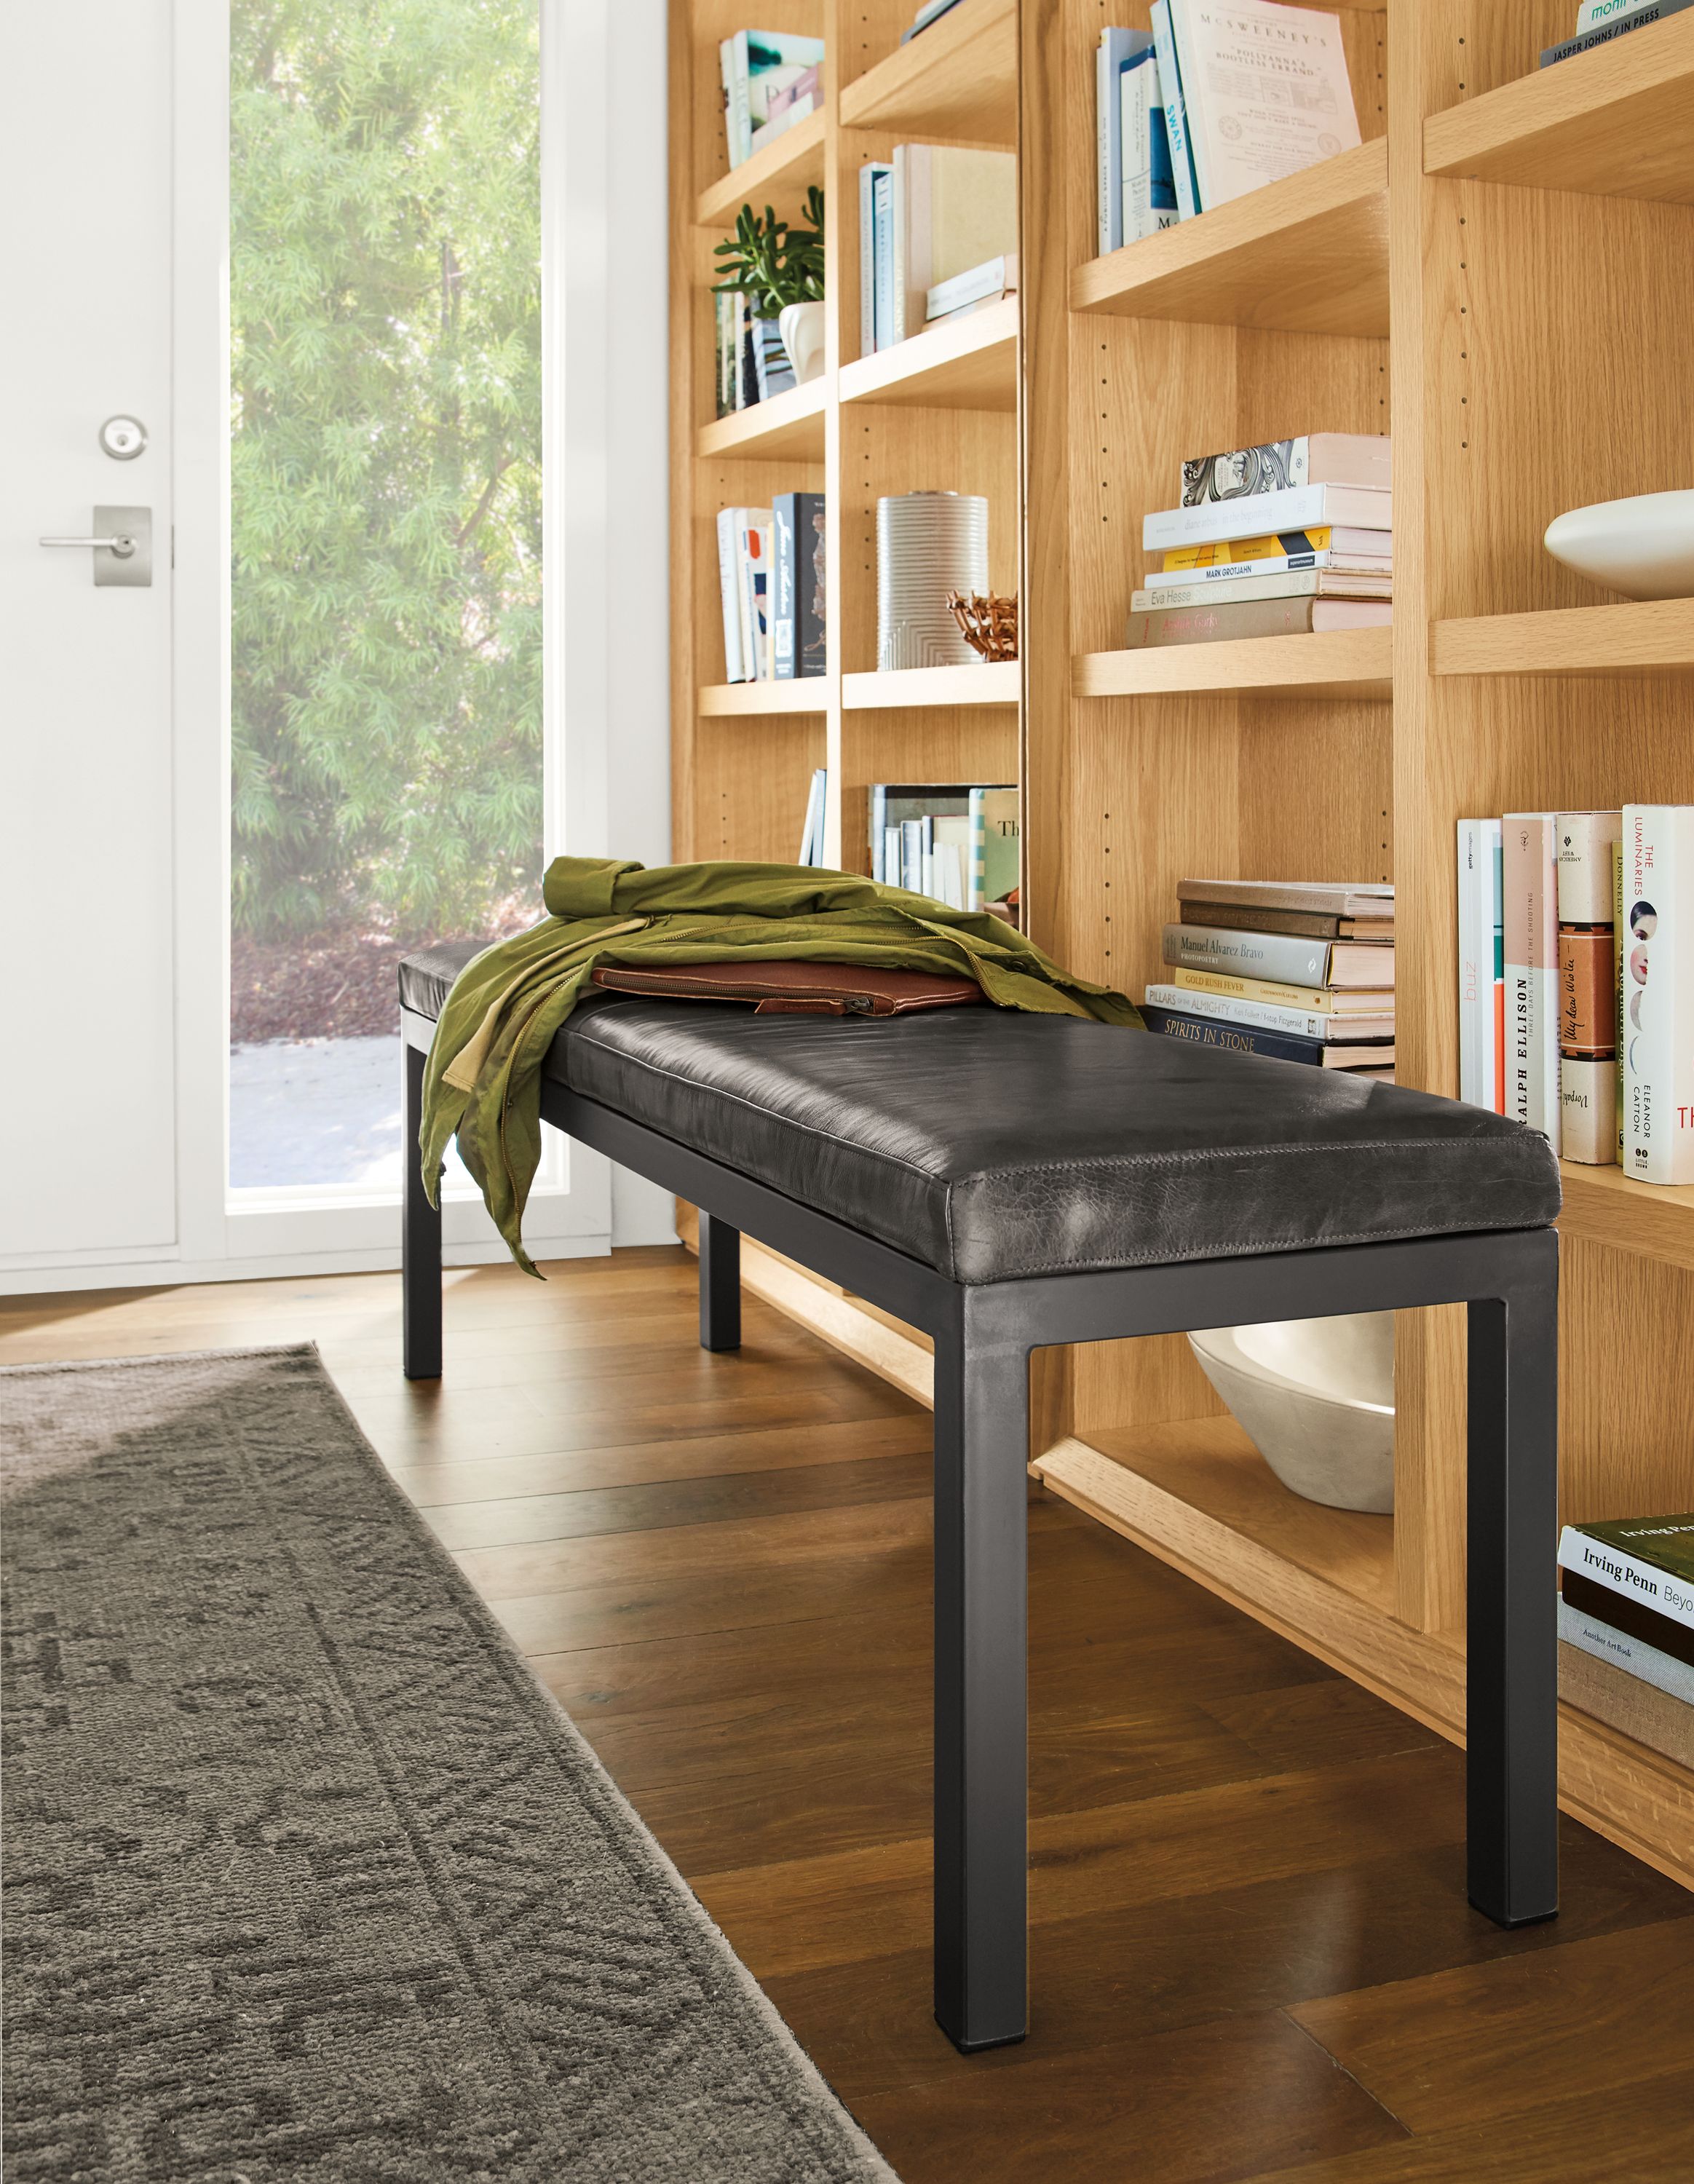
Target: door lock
[[122, 544], [123, 439]]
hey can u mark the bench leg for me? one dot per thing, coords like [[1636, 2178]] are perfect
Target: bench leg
[[1512, 1772], [419, 1243], [720, 1284], [982, 1450]]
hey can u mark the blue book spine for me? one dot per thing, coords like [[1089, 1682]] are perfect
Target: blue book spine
[[1164, 179], [1116, 47], [1176, 114], [1233, 1038]]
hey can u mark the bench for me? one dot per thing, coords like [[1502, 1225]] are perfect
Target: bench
[[1003, 1182]]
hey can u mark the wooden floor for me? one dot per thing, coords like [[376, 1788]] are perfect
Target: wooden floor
[[1252, 1957]]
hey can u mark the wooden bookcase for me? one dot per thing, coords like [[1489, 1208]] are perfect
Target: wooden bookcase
[[1502, 276]]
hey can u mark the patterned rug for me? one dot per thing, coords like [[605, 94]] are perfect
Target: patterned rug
[[306, 1875]]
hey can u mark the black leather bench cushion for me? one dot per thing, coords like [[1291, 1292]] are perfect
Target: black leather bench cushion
[[993, 1145]]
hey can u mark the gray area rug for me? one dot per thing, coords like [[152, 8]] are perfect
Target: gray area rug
[[306, 1875]]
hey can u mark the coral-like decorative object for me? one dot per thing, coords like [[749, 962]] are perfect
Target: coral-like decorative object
[[988, 625]]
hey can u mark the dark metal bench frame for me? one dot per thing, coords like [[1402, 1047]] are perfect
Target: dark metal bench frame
[[983, 1335]]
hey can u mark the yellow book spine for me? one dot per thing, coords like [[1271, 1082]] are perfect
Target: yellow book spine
[[1267, 549], [1316, 998]]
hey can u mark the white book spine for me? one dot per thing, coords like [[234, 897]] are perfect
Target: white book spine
[[1634, 1655], [1252, 1016], [1135, 128], [1107, 140], [1293, 508], [1470, 962], [911, 178], [1170, 85], [1658, 946], [1491, 1061], [867, 256], [729, 585], [1628, 1575]]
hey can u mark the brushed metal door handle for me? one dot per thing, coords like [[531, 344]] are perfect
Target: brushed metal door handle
[[122, 543], [123, 547]]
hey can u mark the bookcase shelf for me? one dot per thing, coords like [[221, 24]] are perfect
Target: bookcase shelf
[[1345, 755], [747, 701], [788, 424], [1652, 1220], [962, 364], [1345, 663], [958, 80], [1308, 254], [1650, 637], [1613, 122], [779, 175], [993, 682]]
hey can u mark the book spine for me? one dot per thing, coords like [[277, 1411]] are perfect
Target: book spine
[[1289, 508], [1108, 155], [879, 803], [783, 587], [1531, 971], [1658, 1034], [1319, 1002], [1234, 1039], [1204, 625], [1263, 1015], [1496, 838], [1589, 1634], [899, 234], [1584, 850], [1588, 1109], [729, 586], [1617, 952], [1203, 574], [811, 578], [1284, 584], [1190, 78], [867, 258], [1176, 125], [1470, 961], [741, 107], [1652, 13], [1135, 193], [885, 259], [1630, 1576], [1587, 987], [1593, 12], [1283, 957]]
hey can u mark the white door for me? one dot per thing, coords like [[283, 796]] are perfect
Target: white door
[[88, 1079]]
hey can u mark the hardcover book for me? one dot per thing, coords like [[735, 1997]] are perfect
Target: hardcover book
[[754, 63], [870, 333], [1479, 1056], [1604, 33], [995, 824], [1276, 1046], [1285, 957], [1287, 508], [1265, 92], [1309, 925], [1321, 898], [1530, 928], [1224, 586], [1596, 1637], [1290, 1019], [801, 611], [1657, 944], [1356, 459], [1584, 856], [1318, 1000], [1372, 547], [1212, 623], [1649, 1559], [1149, 190], [1115, 49], [1223, 569]]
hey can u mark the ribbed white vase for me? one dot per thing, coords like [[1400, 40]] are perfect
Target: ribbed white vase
[[928, 545]]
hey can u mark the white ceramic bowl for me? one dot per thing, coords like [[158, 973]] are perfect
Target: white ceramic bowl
[[1643, 547], [1316, 1399]]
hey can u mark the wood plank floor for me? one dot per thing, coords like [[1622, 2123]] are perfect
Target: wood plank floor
[[1252, 1956]]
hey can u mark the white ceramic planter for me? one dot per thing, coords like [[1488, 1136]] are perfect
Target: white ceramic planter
[[1643, 547], [1316, 1399], [802, 330]]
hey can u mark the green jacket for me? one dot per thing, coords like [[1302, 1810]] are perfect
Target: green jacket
[[483, 1081]]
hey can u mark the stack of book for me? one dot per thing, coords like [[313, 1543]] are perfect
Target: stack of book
[[1301, 971], [772, 573], [812, 835], [1212, 103], [955, 842], [1628, 1602], [1576, 981], [752, 363], [1288, 536], [771, 78], [938, 234], [1599, 21]]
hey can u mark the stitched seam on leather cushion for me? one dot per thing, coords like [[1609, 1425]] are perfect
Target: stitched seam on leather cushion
[[1260, 1248], [784, 1121], [1230, 1153]]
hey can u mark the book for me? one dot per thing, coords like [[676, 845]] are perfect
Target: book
[[812, 835], [1287, 1018], [1289, 508], [1587, 986], [984, 283], [869, 175], [1321, 898], [799, 643], [1355, 458], [1600, 1638], [1496, 836], [729, 582], [883, 244], [1212, 623], [1582, 851], [1216, 587], [1202, 576], [1479, 1059], [1116, 47], [1530, 923], [749, 60], [1287, 958], [1618, 959], [1148, 195], [1310, 925], [1265, 92], [752, 569], [1621, 1611], [1320, 1000], [1616, 1691], [996, 846], [892, 805], [1176, 119], [1657, 942], [1275, 1046], [1369, 547], [1593, 12], [925, 16], [798, 93], [953, 210], [772, 371], [1618, 27], [1650, 1559]]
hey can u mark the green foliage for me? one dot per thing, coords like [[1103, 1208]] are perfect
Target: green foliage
[[386, 454], [775, 263]]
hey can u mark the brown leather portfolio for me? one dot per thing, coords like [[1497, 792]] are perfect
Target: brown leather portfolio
[[796, 989]]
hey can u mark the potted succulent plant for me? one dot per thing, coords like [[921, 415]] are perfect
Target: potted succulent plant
[[778, 266]]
